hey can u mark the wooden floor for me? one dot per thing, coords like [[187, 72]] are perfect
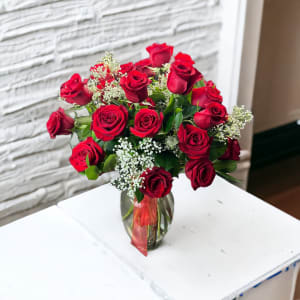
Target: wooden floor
[[278, 184]]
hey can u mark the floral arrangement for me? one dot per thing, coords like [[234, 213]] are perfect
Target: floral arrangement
[[149, 120]]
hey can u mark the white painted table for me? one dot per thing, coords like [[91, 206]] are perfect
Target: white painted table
[[223, 241]]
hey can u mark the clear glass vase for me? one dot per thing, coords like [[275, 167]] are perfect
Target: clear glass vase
[[147, 222]]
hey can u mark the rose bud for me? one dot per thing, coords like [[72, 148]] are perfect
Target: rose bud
[[135, 86], [205, 95], [102, 83], [184, 57], [126, 68], [101, 68], [233, 150], [210, 83], [59, 123], [182, 77], [157, 182], [79, 153], [201, 172], [193, 141], [150, 103], [109, 121], [75, 91], [213, 114], [147, 123], [143, 67], [160, 54]]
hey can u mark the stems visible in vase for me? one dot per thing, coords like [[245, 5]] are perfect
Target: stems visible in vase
[[152, 219], [158, 220], [128, 214]]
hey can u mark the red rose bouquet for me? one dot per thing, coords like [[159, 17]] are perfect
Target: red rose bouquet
[[149, 121]]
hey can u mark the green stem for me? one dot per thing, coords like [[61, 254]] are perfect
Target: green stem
[[162, 209], [158, 221], [130, 210], [84, 120], [168, 210], [166, 217], [89, 109]]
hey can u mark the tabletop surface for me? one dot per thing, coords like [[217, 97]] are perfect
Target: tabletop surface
[[222, 242]]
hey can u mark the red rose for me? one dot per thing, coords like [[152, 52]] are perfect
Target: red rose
[[184, 57], [213, 114], [59, 123], [126, 68], [233, 150], [109, 121], [205, 95], [193, 141], [159, 54], [201, 172], [135, 86], [76, 91], [143, 67], [157, 182], [79, 152], [147, 123], [182, 77]]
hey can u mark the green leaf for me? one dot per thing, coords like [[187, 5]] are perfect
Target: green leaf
[[168, 122], [176, 170], [100, 143], [228, 177], [131, 122], [86, 120], [158, 96], [200, 83], [95, 138], [110, 163], [134, 140], [109, 146], [168, 160], [181, 101], [139, 195], [92, 172], [189, 97], [217, 149], [226, 166], [131, 113], [189, 111], [83, 132], [87, 159], [171, 106], [178, 120]]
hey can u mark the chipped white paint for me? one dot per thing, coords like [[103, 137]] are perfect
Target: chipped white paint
[[42, 43]]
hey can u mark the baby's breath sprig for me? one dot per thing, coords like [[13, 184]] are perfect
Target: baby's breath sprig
[[109, 60], [171, 142], [112, 91], [160, 86], [232, 128], [132, 161]]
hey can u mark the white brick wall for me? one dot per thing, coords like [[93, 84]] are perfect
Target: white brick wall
[[42, 42]]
